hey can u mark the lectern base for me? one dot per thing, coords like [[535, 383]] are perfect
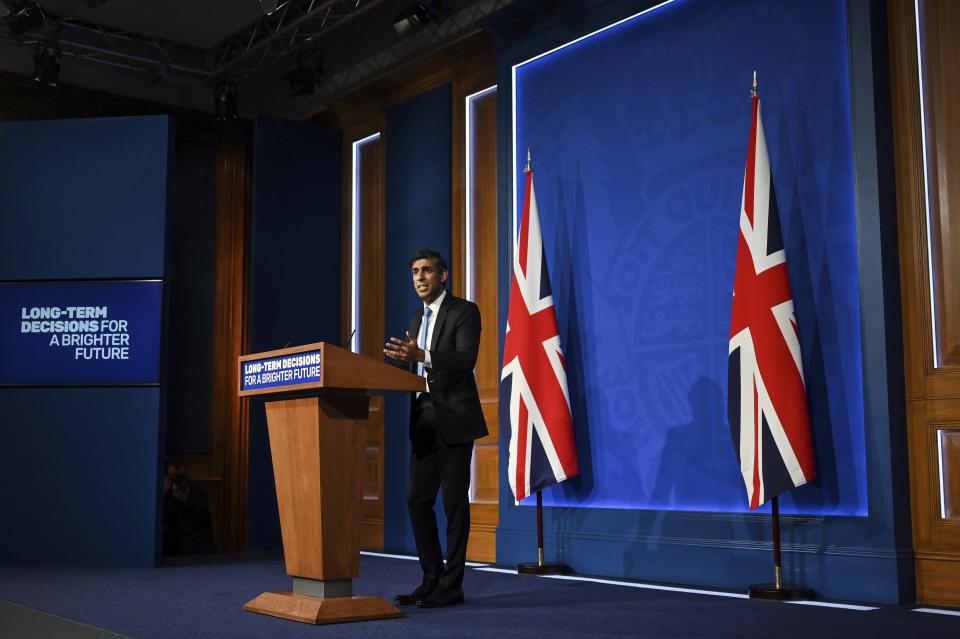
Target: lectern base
[[321, 611]]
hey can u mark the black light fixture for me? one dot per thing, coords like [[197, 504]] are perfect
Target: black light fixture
[[305, 79], [268, 6], [46, 63], [21, 17], [414, 17], [225, 99]]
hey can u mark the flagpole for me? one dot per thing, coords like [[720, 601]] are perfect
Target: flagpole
[[540, 567], [775, 521], [777, 591]]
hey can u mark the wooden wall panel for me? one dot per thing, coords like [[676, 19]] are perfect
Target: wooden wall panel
[[469, 66], [223, 470], [932, 390], [371, 201], [480, 191], [942, 101], [372, 266], [485, 255], [485, 476]]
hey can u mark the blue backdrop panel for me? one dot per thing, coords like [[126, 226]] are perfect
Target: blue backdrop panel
[[732, 549], [418, 216], [639, 137], [79, 467], [83, 198], [295, 273], [78, 476]]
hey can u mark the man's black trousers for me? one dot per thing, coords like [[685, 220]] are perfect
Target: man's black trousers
[[436, 465]]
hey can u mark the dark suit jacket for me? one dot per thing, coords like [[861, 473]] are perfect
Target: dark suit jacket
[[453, 356]]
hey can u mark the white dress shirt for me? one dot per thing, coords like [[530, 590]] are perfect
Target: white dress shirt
[[434, 309]]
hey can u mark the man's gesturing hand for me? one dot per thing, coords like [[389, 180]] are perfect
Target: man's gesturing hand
[[404, 351]]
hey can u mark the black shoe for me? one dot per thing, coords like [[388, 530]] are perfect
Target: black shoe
[[422, 592], [441, 598]]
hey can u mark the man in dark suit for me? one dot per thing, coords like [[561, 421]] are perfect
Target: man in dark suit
[[442, 344]]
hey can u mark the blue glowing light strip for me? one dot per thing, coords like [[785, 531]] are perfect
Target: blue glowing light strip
[[468, 269], [355, 242], [513, 100], [926, 189]]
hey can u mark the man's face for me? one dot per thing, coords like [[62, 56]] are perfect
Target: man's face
[[428, 279]]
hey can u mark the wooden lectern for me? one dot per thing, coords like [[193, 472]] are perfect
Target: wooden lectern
[[317, 408]]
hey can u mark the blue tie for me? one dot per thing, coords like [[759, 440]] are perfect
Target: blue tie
[[422, 342]]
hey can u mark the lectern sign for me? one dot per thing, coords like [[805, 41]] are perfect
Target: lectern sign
[[283, 370]]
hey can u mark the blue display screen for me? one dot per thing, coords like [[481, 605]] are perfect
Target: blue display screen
[[80, 332]]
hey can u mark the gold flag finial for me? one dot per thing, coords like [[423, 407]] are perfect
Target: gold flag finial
[[528, 168], [753, 91]]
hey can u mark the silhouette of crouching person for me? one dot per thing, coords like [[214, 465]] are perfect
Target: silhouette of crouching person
[[187, 525]]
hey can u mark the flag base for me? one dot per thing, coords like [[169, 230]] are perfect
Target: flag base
[[783, 593], [535, 568]]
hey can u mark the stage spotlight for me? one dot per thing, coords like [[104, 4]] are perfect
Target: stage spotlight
[[413, 18], [46, 64], [225, 99], [22, 17], [305, 79]]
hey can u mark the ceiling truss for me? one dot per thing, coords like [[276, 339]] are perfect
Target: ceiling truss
[[296, 25]]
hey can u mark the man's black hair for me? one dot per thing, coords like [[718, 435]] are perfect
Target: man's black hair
[[427, 254]]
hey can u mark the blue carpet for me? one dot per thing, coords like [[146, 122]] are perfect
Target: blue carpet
[[205, 600]]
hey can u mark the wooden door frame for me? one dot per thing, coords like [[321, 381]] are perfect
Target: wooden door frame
[[931, 392]]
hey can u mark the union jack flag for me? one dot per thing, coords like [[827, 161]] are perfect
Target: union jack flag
[[767, 399], [542, 447]]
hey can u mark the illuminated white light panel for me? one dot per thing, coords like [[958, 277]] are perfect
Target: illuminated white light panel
[[513, 100], [388, 555], [468, 193], [648, 586], [468, 270], [830, 604], [354, 344], [943, 498], [937, 611], [634, 584], [506, 571], [926, 191], [692, 591]]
